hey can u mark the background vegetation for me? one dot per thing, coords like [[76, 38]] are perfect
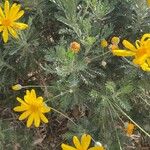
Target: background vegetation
[[98, 98]]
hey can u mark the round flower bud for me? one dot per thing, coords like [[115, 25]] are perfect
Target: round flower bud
[[98, 144], [104, 43], [16, 87], [115, 40], [75, 47], [103, 63]]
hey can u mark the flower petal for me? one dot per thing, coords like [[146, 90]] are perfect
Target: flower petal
[[145, 67], [6, 8], [14, 10], [137, 43], [30, 120], [36, 120], [1, 28], [12, 32], [21, 26], [18, 15], [25, 115], [120, 52], [128, 45], [77, 142], [140, 60], [33, 94], [20, 108], [43, 118], [85, 141], [45, 109], [21, 101], [5, 34], [145, 36], [1, 13], [67, 147]]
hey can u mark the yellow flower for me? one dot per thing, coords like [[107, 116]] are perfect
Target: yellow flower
[[75, 47], [129, 128], [33, 108], [8, 19], [115, 40], [148, 3], [83, 145], [104, 43], [140, 52], [16, 87]]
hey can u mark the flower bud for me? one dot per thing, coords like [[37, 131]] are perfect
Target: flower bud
[[104, 43], [115, 40], [17, 87], [75, 47]]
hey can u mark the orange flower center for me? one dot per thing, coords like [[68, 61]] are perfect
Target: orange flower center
[[34, 108], [6, 22]]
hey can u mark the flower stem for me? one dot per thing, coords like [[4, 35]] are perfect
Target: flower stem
[[64, 115]]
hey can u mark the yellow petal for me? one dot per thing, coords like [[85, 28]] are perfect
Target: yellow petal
[[30, 120], [145, 67], [1, 13], [13, 32], [145, 36], [25, 115], [97, 148], [148, 62], [37, 120], [77, 142], [20, 108], [21, 101], [45, 109], [33, 94], [1, 28], [20, 26], [85, 141], [67, 147], [5, 35], [13, 7], [14, 10], [121, 52], [43, 118], [18, 15], [6, 8], [40, 99], [128, 45], [140, 60], [137, 43]]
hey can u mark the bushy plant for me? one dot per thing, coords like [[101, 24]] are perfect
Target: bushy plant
[[87, 89]]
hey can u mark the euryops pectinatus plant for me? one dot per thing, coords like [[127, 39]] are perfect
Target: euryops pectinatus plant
[[74, 74]]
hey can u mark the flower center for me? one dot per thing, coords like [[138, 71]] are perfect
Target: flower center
[[6, 22], [34, 108]]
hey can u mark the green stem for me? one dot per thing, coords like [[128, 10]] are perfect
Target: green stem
[[28, 86], [64, 115], [59, 95]]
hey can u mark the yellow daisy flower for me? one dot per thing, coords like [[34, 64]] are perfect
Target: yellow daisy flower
[[83, 145], [33, 108], [140, 52], [129, 128], [8, 19]]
